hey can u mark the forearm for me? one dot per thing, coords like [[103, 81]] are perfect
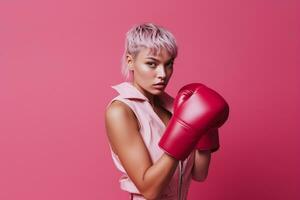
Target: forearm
[[158, 176], [201, 165]]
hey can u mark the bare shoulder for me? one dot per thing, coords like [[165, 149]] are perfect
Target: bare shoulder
[[118, 112], [116, 109], [121, 124]]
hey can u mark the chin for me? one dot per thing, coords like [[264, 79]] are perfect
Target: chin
[[157, 92]]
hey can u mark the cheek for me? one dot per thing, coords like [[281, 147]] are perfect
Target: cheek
[[170, 72], [145, 71]]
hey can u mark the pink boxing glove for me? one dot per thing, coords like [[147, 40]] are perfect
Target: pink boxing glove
[[197, 109], [209, 141]]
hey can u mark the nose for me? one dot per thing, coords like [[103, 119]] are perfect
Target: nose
[[161, 73]]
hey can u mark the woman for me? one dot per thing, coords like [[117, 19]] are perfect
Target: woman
[[138, 117]]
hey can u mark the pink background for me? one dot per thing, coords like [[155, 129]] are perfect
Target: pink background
[[59, 58]]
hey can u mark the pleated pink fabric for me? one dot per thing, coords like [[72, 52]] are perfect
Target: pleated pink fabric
[[151, 130]]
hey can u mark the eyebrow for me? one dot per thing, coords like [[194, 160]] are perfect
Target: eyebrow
[[172, 59]]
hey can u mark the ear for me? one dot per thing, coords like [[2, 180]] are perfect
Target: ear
[[129, 61]]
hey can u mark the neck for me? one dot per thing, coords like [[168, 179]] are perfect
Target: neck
[[153, 100]]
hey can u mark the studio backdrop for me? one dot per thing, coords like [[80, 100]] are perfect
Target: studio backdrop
[[59, 58]]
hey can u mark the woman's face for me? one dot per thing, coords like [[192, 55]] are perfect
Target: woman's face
[[149, 69]]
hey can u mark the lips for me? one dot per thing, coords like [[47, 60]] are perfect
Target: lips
[[159, 85]]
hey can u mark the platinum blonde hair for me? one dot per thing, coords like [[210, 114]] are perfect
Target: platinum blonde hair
[[147, 35]]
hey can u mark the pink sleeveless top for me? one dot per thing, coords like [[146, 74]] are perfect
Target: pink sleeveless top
[[151, 130]]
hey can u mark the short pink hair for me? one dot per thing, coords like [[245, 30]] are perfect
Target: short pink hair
[[147, 35]]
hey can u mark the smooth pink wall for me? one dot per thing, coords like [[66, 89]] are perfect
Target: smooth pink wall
[[59, 58]]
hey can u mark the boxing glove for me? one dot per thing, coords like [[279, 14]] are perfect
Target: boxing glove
[[209, 141], [197, 109]]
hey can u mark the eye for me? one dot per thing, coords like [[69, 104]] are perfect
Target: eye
[[170, 65], [151, 64]]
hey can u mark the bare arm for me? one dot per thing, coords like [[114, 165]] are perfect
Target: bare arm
[[126, 141], [201, 165]]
